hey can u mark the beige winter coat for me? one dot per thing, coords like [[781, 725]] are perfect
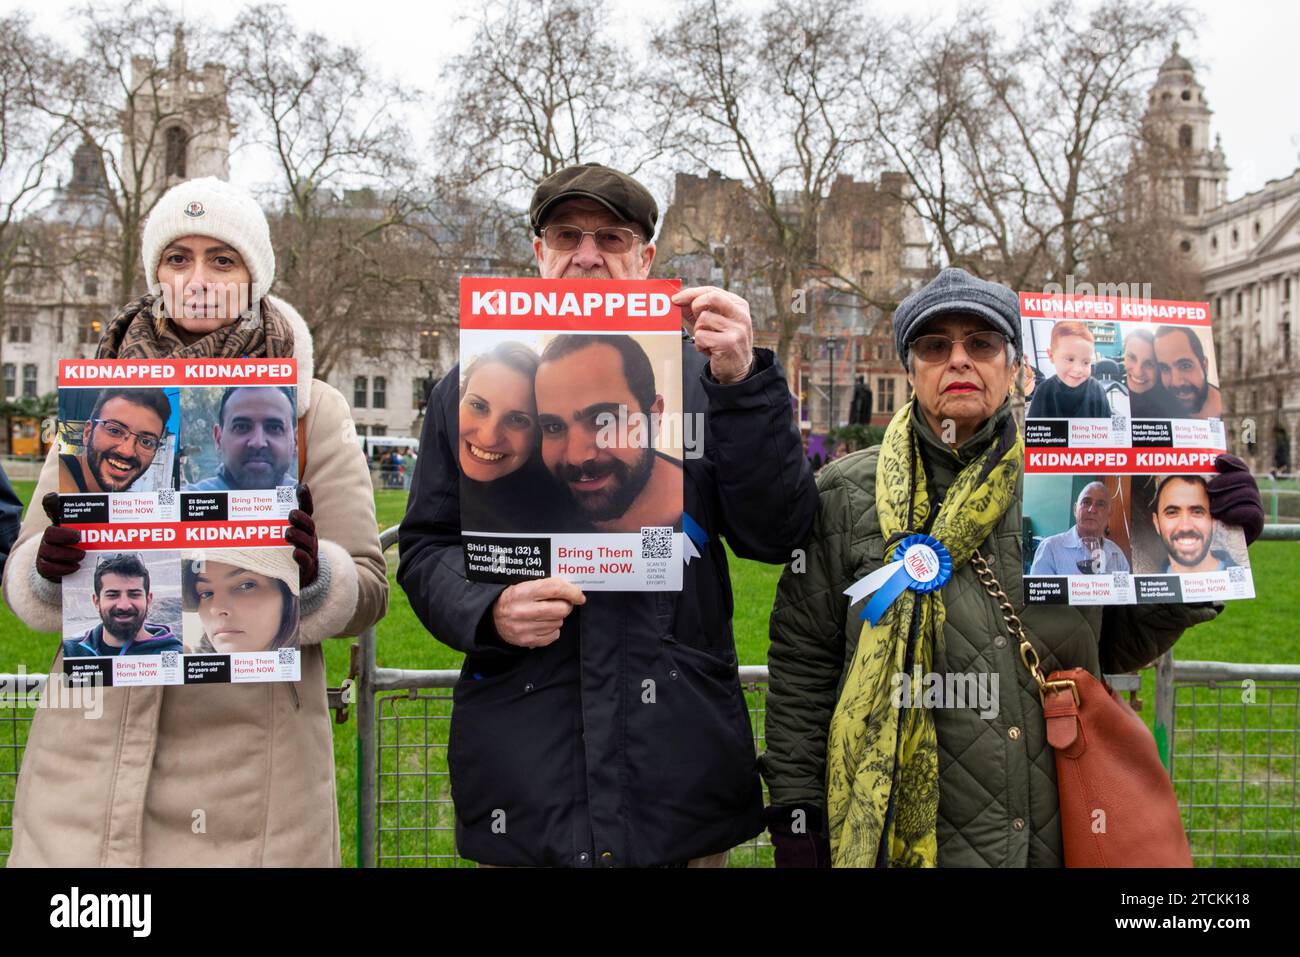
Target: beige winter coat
[[207, 775]]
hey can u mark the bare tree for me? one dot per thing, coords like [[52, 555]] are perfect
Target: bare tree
[[934, 120], [1074, 90], [30, 142], [1013, 149], [128, 94], [543, 85], [352, 206], [779, 104]]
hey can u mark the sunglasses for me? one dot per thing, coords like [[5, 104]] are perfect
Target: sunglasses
[[609, 239], [980, 346]]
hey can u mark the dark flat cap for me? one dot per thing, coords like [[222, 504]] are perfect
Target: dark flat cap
[[619, 193], [957, 291]]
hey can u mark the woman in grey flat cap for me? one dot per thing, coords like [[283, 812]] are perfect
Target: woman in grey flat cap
[[856, 779]]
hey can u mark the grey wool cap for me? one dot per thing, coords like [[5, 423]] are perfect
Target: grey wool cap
[[956, 290]]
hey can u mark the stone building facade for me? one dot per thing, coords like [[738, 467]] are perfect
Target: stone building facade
[[178, 124], [1247, 251], [59, 311], [870, 252]]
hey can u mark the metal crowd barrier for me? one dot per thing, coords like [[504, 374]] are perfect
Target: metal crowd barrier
[[405, 816], [404, 810], [1272, 494], [1233, 753], [18, 697], [1233, 759], [1233, 765]]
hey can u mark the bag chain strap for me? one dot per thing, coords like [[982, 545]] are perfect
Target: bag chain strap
[[1028, 654]]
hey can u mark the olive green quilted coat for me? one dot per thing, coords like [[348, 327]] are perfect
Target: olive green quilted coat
[[997, 777]]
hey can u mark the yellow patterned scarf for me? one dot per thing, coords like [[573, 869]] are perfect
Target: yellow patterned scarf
[[882, 761]]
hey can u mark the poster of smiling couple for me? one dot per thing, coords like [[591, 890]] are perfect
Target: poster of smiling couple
[[1122, 427], [571, 432], [180, 476]]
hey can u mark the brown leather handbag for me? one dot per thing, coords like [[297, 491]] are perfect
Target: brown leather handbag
[[1118, 807]]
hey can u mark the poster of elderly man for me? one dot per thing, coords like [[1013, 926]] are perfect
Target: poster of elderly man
[[1077, 527]]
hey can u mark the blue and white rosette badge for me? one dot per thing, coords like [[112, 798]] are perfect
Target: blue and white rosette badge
[[696, 538], [924, 565]]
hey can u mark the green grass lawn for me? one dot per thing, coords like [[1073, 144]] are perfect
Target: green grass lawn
[[413, 792]]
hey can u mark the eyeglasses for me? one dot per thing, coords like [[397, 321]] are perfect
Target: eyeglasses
[[609, 239], [119, 432], [980, 346]]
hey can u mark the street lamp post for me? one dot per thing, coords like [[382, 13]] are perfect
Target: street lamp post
[[831, 345]]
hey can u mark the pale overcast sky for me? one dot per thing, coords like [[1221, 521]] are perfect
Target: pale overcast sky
[[1245, 54]]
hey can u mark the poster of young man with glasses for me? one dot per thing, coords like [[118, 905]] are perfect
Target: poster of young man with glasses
[[117, 445]]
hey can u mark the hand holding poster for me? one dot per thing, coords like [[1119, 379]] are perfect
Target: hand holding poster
[[570, 440], [1122, 430], [184, 585]]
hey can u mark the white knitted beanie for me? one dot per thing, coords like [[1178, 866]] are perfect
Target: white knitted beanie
[[211, 207]]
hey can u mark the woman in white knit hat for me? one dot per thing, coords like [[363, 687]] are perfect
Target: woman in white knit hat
[[256, 759]]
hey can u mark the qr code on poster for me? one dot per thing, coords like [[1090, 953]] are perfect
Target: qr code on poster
[[169, 659], [1236, 574], [1119, 580], [1118, 423], [167, 497], [657, 542], [287, 655], [285, 495]]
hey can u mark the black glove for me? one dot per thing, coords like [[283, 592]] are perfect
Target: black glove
[[301, 534], [1234, 496], [58, 555], [799, 836]]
